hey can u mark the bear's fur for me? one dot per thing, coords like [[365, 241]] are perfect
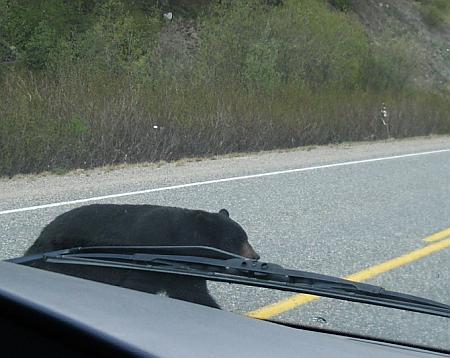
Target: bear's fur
[[138, 225]]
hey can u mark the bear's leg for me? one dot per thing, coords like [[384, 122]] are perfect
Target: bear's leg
[[149, 282], [190, 289]]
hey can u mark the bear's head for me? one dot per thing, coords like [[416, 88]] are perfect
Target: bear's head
[[224, 233]]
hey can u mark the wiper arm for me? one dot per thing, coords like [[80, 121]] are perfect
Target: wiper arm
[[217, 265]]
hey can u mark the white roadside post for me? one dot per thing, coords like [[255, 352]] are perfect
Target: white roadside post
[[385, 119]]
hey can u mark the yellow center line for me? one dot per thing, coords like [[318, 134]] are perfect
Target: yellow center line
[[300, 299], [438, 236]]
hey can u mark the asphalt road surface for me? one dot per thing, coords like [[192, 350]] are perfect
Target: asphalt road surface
[[336, 210]]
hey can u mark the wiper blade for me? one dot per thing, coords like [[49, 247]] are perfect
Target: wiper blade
[[218, 265]]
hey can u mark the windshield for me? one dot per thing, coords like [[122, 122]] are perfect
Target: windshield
[[308, 133]]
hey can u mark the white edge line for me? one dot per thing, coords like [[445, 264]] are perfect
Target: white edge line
[[207, 182]]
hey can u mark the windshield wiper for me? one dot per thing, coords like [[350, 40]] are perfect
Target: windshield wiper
[[217, 265]]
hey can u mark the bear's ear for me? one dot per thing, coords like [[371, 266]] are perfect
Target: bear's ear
[[224, 212]]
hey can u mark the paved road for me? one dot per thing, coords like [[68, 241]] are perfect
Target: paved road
[[333, 219]]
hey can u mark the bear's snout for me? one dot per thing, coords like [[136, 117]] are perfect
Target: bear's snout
[[249, 252]]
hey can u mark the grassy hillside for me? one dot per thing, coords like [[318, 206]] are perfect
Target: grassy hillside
[[86, 83], [422, 27]]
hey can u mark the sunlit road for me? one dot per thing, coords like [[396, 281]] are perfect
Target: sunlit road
[[334, 210]]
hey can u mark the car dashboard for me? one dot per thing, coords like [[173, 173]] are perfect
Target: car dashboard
[[52, 314]]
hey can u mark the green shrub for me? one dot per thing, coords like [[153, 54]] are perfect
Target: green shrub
[[432, 16], [319, 47], [40, 46], [435, 13], [391, 64], [260, 66], [312, 45], [342, 5], [36, 28]]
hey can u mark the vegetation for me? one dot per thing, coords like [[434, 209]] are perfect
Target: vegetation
[[435, 12], [87, 83]]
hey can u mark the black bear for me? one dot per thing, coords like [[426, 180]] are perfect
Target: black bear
[[137, 225]]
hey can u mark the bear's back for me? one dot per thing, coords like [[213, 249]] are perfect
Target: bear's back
[[90, 225]]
